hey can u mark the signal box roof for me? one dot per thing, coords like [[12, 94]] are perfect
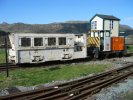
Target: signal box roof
[[108, 17]]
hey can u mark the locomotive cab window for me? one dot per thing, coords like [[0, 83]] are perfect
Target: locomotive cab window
[[51, 41], [96, 34], [38, 41], [101, 34], [92, 34], [25, 42], [62, 41]]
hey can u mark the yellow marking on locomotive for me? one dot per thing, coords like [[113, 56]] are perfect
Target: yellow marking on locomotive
[[93, 41]]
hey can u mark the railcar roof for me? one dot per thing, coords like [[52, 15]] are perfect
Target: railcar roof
[[49, 33], [41, 33]]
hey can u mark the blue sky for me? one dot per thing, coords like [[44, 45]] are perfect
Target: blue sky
[[49, 11]]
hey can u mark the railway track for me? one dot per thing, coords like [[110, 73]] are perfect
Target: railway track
[[10, 66], [75, 90], [46, 64]]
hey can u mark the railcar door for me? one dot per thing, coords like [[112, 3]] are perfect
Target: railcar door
[[107, 41], [23, 56]]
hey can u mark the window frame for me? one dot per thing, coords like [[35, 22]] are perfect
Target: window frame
[[92, 34], [111, 24], [107, 35], [41, 43], [94, 25], [59, 41], [25, 42], [53, 42]]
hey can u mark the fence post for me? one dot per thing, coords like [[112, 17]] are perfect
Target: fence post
[[6, 52]]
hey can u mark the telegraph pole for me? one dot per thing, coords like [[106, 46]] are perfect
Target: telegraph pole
[[6, 52]]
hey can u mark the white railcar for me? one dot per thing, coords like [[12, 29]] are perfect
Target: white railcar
[[40, 47]]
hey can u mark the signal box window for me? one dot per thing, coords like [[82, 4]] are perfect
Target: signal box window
[[25, 42], [94, 25], [38, 41], [62, 41], [51, 41], [111, 24]]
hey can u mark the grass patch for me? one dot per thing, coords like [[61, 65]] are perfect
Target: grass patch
[[130, 48], [2, 55], [40, 75]]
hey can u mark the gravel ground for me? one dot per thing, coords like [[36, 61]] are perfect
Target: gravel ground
[[111, 93], [120, 91], [116, 91]]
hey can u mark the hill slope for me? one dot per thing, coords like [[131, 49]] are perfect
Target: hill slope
[[66, 27]]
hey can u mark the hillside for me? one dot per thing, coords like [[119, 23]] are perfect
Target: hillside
[[125, 27], [66, 27]]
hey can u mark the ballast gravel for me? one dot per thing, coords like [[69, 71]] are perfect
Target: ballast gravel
[[115, 91]]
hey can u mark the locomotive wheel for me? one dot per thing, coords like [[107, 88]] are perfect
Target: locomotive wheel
[[107, 55]]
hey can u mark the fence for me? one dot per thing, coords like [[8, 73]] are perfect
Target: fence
[[129, 39]]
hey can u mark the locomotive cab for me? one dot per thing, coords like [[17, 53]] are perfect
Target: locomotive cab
[[98, 42]]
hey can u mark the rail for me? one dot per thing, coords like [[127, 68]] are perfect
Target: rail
[[11, 66]]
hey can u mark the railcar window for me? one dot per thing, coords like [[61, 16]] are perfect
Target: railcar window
[[107, 34], [25, 42], [38, 41], [51, 41], [62, 41]]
